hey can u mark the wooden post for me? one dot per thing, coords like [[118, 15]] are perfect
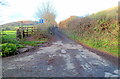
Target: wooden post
[[32, 31], [24, 34], [21, 29], [18, 34], [27, 31]]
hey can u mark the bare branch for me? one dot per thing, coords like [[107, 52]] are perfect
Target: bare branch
[[47, 12]]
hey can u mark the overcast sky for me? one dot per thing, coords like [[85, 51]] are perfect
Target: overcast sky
[[25, 9]]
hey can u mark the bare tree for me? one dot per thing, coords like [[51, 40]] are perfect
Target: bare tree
[[47, 12]]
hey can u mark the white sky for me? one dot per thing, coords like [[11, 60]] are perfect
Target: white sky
[[25, 9]]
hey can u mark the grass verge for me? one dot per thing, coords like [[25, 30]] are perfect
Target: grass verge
[[33, 43], [102, 45]]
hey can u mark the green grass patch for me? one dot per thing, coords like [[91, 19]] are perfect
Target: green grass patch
[[9, 34], [103, 45], [33, 43], [9, 37]]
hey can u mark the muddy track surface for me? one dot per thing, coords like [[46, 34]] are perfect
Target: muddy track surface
[[63, 58]]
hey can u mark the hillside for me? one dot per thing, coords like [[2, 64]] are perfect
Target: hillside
[[99, 30], [12, 25], [24, 22]]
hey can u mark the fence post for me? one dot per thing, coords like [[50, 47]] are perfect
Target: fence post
[[21, 29], [27, 32], [18, 34]]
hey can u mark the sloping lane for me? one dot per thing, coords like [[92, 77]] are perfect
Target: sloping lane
[[64, 58]]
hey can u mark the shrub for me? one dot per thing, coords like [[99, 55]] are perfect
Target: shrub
[[8, 49]]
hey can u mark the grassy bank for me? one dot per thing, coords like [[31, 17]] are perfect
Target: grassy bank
[[99, 30], [102, 45], [35, 42]]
